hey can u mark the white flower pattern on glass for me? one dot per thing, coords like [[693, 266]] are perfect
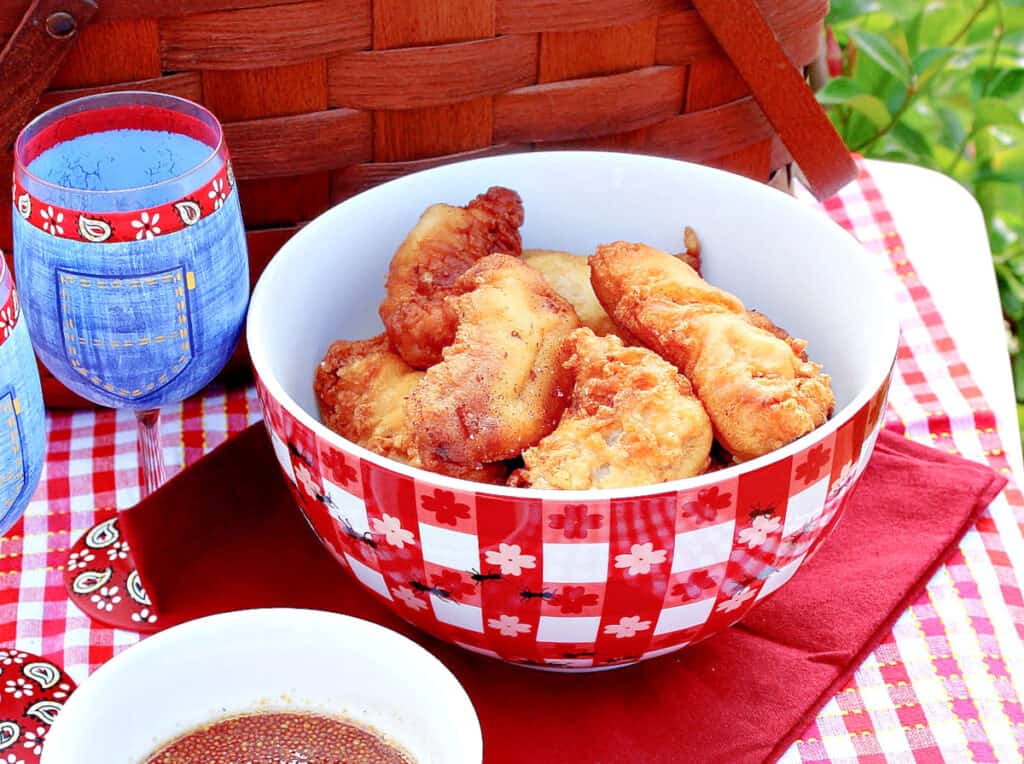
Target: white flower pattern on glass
[[62, 691], [8, 319], [144, 616], [628, 626], [118, 550], [12, 759], [34, 740], [80, 560], [757, 534], [408, 598], [736, 601], [511, 559], [508, 625], [18, 688], [391, 529], [218, 193], [52, 221], [640, 559], [146, 226], [8, 657], [106, 598]]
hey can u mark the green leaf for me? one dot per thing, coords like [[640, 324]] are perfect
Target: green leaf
[[871, 107], [1009, 164], [882, 52], [993, 111], [911, 139], [929, 62], [839, 90], [845, 10]]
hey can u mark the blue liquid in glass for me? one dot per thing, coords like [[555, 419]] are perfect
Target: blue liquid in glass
[[119, 159]]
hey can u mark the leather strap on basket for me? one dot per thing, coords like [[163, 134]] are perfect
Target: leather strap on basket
[[781, 92], [32, 56]]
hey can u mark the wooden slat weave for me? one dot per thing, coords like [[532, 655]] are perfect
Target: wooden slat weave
[[324, 98]]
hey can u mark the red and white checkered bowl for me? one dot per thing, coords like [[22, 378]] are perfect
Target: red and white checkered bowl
[[578, 580]]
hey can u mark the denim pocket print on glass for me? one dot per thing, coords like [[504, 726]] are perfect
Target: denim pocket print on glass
[[135, 334], [12, 459]]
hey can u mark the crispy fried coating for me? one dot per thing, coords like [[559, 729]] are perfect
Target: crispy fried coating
[[501, 385], [444, 243], [757, 390], [632, 420], [361, 389], [569, 275]]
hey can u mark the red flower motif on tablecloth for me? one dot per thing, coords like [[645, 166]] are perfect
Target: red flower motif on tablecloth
[[810, 470], [694, 585], [452, 582], [707, 505], [575, 521], [446, 509], [572, 599]]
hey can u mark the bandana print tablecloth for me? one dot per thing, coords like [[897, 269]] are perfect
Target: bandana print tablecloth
[[943, 686]]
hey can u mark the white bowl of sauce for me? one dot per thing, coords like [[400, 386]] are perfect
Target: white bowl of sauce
[[302, 685]]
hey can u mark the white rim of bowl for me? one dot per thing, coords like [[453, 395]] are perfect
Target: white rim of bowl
[[882, 363]]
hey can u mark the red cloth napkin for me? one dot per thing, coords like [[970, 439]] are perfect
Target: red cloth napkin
[[225, 535]]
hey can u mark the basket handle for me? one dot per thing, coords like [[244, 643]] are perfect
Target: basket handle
[[32, 56], [782, 93]]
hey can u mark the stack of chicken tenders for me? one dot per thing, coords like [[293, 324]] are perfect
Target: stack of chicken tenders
[[544, 369]]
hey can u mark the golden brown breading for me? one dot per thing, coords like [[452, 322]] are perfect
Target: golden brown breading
[[501, 386], [439, 249], [758, 392], [632, 420], [569, 275], [361, 389]]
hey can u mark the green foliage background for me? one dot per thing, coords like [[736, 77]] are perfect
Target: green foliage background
[[940, 84]]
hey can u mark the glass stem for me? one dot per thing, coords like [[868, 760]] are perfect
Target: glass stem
[[151, 454]]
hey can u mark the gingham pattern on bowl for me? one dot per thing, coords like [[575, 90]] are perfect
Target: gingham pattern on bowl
[[941, 687], [568, 585]]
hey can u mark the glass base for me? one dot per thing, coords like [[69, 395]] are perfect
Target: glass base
[[102, 581]]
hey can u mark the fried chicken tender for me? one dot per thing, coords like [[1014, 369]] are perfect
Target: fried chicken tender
[[758, 392], [361, 389], [444, 243], [501, 385], [569, 275], [632, 420]]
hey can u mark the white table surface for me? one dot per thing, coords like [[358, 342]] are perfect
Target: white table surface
[[944, 234]]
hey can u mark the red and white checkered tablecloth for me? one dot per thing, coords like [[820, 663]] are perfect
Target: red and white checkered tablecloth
[[943, 686]]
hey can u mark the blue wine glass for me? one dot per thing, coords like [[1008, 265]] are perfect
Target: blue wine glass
[[130, 251], [22, 422]]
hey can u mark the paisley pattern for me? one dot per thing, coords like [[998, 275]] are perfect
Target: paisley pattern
[[90, 580], [9, 734], [46, 674], [44, 711], [106, 586], [135, 589], [103, 534], [26, 717], [117, 226], [94, 229]]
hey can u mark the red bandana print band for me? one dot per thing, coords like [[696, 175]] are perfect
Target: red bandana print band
[[110, 227], [10, 311]]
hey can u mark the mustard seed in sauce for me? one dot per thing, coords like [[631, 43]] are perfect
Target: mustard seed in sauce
[[279, 738]]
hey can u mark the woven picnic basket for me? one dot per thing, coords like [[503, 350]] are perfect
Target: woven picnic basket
[[324, 98]]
